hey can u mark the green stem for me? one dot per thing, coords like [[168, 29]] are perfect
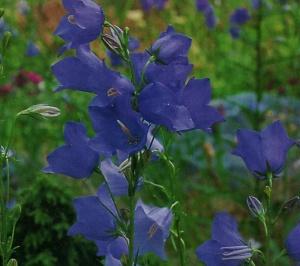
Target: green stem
[[269, 218], [131, 230], [131, 193]]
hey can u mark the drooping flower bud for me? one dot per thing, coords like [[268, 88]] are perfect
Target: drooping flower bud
[[255, 206], [291, 203], [43, 110]]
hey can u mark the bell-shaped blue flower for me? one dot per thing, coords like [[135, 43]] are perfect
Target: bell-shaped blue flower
[[226, 247], [207, 9], [97, 220], [240, 16], [76, 158], [151, 229], [86, 72], [292, 244], [264, 151], [82, 24], [118, 128], [172, 75], [170, 46], [183, 109]]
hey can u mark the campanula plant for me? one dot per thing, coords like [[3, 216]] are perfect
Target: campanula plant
[[126, 114]]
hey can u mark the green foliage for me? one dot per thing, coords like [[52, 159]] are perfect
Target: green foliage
[[42, 232]]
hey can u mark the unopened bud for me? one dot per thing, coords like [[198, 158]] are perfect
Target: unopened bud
[[1, 12], [12, 262], [43, 110], [111, 43], [291, 203], [255, 207], [6, 40]]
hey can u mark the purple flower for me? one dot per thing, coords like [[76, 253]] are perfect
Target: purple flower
[[118, 128], [264, 151], [151, 226], [185, 108], [235, 31], [292, 243], [76, 158], [32, 50], [83, 23], [170, 46], [171, 75], [149, 4], [98, 221], [256, 4], [86, 72], [240, 16], [226, 247], [202, 5], [207, 9]]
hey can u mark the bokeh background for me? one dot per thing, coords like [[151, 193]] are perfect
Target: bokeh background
[[264, 61]]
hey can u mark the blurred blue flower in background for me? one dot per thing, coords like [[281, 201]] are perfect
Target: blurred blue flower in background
[[207, 9], [238, 18], [292, 244], [147, 5], [32, 50]]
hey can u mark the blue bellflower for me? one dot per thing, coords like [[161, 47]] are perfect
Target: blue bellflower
[[226, 247], [170, 46], [151, 226], [147, 5], [82, 24], [183, 109], [76, 158], [207, 9], [238, 18], [118, 128], [172, 75], [85, 72], [97, 220], [292, 244], [256, 4], [264, 151]]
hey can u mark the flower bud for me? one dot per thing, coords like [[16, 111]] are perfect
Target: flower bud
[[12, 262], [255, 206], [43, 110], [291, 203], [6, 39]]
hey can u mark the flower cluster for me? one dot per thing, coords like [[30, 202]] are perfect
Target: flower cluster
[[125, 113]]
